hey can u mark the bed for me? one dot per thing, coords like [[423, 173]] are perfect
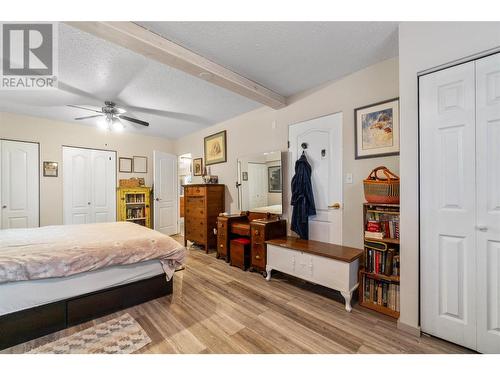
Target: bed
[[57, 276]]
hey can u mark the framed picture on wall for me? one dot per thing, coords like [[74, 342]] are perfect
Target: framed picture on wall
[[125, 165], [197, 167], [376, 130], [215, 148], [140, 164], [274, 179], [50, 169]]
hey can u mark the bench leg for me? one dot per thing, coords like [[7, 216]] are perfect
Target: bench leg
[[347, 296], [268, 271]]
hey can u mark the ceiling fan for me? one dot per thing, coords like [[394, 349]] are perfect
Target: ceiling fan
[[111, 115]]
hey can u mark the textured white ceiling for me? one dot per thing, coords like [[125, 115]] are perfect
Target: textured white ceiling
[[287, 57], [92, 70]]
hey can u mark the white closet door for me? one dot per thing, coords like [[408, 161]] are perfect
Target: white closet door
[[89, 185], [447, 214], [488, 203], [77, 193], [19, 181], [166, 205], [103, 186]]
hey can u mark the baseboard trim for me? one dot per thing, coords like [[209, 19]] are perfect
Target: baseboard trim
[[415, 331]]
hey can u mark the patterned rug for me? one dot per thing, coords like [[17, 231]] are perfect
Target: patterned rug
[[122, 335]]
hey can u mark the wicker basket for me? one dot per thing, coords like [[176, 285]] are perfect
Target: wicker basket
[[130, 183], [382, 190]]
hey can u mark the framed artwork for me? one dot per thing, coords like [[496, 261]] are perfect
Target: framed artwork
[[244, 176], [215, 148], [198, 167], [140, 164], [274, 179], [50, 169], [376, 129], [125, 165]]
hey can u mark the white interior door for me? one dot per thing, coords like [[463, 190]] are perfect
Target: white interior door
[[89, 186], [323, 137], [166, 200], [257, 185], [19, 182], [447, 201], [488, 203]]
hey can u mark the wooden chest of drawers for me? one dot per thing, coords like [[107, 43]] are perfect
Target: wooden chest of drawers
[[202, 205]]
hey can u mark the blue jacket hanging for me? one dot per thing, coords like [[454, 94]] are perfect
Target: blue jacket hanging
[[302, 198]]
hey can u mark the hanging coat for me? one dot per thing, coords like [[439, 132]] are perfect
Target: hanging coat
[[302, 198]]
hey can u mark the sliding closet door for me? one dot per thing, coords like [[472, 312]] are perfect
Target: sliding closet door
[[488, 203], [19, 179], [89, 186], [447, 204]]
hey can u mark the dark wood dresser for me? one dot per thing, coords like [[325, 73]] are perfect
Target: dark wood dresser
[[202, 205], [258, 227]]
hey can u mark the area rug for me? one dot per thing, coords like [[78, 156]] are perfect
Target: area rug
[[122, 335]]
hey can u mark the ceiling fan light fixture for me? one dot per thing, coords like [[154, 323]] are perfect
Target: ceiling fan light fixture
[[117, 125], [103, 124]]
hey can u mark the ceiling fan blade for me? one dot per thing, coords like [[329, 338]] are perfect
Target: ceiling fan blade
[[87, 109], [134, 120], [86, 117], [169, 114]]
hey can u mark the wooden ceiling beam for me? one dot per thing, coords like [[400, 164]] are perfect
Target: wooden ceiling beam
[[140, 40]]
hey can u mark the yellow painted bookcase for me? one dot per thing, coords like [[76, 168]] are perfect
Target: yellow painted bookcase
[[134, 205]]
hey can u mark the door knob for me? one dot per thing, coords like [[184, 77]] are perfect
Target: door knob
[[335, 206], [4, 206], [157, 199], [482, 228], [88, 203]]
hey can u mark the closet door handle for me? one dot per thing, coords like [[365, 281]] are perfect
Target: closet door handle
[[88, 203], [4, 206], [482, 228]]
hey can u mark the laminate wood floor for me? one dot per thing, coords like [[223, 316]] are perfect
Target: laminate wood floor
[[216, 308]]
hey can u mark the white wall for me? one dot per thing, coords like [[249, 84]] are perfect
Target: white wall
[[422, 46], [52, 135], [264, 130]]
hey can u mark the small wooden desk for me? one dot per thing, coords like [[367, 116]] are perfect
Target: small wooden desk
[[333, 266]]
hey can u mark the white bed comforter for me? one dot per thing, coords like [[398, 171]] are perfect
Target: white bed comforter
[[64, 250]]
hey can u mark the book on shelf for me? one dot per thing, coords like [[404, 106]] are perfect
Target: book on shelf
[[387, 224], [381, 293], [376, 235], [382, 262]]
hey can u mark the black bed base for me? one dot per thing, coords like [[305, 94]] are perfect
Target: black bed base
[[25, 325]]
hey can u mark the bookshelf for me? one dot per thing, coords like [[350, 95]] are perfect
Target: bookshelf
[[134, 205], [379, 273]]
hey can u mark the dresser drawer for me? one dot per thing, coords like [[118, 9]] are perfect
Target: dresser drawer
[[196, 212], [195, 234], [195, 191], [196, 223], [258, 256], [258, 235]]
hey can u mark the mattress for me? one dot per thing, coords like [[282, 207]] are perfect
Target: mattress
[[20, 295]]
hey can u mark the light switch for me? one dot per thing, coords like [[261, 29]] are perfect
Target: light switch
[[348, 178]]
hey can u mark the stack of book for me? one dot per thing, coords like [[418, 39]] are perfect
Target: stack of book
[[382, 226], [381, 293]]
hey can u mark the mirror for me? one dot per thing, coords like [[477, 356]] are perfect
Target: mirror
[[260, 183]]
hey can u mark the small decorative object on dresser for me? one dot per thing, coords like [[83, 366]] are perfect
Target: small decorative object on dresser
[[202, 204], [379, 275]]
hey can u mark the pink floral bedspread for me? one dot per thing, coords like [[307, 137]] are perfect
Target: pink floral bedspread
[[64, 250]]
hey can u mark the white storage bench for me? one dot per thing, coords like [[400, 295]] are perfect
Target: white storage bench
[[333, 266]]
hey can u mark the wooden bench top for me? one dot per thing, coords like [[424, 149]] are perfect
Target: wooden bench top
[[328, 250]]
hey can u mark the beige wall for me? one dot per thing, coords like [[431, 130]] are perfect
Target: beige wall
[[424, 45], [52, 135], [267, 130]]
